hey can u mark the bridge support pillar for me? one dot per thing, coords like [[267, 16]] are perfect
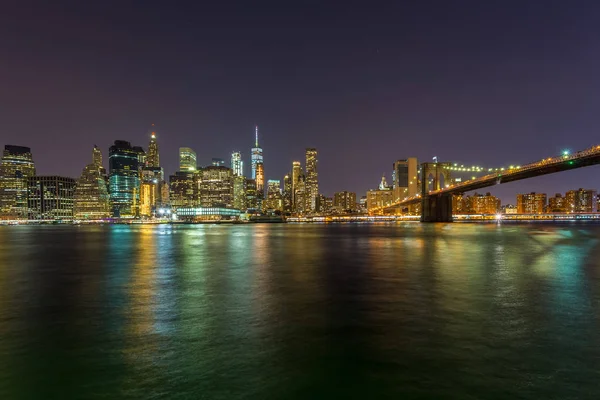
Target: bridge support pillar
[[436, 208]]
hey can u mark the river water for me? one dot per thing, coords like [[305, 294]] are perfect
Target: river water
[[305, 311]]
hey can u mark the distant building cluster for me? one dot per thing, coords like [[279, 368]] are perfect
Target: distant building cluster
[[135, 187], [574, 201]]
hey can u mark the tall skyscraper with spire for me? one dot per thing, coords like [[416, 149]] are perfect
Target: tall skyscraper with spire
[[256, 154], [152, 159], [153, 180]]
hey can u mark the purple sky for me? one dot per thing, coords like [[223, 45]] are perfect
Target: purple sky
[[364, 82]]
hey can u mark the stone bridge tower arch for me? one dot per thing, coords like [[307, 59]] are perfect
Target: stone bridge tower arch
[[439, 171]]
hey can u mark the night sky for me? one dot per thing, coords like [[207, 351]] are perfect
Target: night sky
[[364, 82]]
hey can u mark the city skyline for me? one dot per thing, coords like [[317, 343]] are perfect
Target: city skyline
[[152, 155], [397, 81]]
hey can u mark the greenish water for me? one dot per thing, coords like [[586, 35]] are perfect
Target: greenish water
[[349, 311]]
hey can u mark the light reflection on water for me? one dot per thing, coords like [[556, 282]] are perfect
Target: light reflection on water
[[300, 311]]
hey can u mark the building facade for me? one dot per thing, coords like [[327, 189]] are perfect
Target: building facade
[[288, 194], [237, 165], [251, 196], [581, 201], [324, 204], [16, 168], [344, 201], [312, 179], [148, 199], [50, 197], [260, 180], [483, 204], [296, 173], [379, 198], [152, 159], [216, 187], [184, 189], [124, 164], [91, 198], [187, 159], [239, 192], [207, 213], [301, 200], [405, 182], [531, 203], [274, 199], [151, 190], [557, 204]]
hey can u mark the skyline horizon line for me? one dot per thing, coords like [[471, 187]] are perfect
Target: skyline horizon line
[[154, 134]]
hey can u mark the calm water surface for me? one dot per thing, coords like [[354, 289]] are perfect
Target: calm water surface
[[399, 311]]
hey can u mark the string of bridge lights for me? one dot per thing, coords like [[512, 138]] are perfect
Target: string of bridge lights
[[475, 168], [457, 167]]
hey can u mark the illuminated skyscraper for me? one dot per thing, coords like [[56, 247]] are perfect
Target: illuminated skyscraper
[[404, 178], [152, 160], [165, 197], [150, 190], [239, 192], [148, 198], [91, 199], [256, 154], [251, 198], [288, 194], [216, 187], [300, 195], [184, 189], [312, 179], [274, 200], [260, 179], [97, 158], [237, 165], [124, 178], [187, 159], [296, 173], [50, 197], [16, 166], [153, 179]]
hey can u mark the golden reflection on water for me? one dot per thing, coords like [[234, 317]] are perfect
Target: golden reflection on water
[[141, 293]]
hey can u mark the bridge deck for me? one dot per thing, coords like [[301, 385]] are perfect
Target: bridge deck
[[584, 158]]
